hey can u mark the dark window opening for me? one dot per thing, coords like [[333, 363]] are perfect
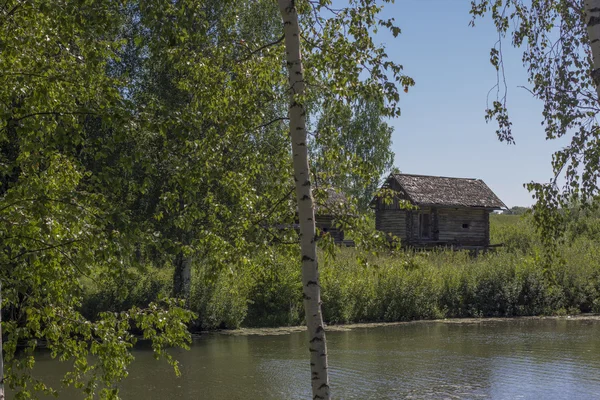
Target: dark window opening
[[465, 226], [425, 225]]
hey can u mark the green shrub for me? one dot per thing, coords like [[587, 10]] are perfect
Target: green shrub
[[133, 287], [515, 232], [267, 291], [275, 297], [219, 297]]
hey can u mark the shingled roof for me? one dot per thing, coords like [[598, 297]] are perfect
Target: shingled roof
[[331, 202], [445, 191]]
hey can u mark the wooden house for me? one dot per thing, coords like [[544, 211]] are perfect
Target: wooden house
[[329, 206], [327, 209], [443, 211]]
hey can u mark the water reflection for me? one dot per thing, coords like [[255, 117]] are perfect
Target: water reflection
[[518, 359]]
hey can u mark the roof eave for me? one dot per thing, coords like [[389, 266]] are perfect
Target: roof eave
[[408, 196], [458, 206]]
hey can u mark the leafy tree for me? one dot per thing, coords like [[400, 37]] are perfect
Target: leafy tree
[[516, 210], [582, 222], [157, 127], [339, 50], [54, 225], [211, 120], [561, 51], [358, 151]]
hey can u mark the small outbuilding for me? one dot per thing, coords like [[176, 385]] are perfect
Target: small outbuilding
[[330, 206], [428, 211], [327, 209]]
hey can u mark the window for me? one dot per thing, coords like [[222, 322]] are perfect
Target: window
[[425, 224], [465, 226]]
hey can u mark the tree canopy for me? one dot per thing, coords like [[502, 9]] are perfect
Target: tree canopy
[[138, 133], [559, 39]]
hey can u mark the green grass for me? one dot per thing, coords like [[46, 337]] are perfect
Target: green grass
[[500, 220], [512, 281]]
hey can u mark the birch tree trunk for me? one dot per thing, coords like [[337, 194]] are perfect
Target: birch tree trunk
[[1, 359], [592, 20], [310, 269]]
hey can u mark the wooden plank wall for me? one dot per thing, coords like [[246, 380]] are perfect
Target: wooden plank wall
[[435, 221], [409, 225], [451, 228], [446, 225], [325, 222], [416, 226], [487, 227], [391, 221]]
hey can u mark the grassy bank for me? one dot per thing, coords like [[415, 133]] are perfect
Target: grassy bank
[[513, 281]]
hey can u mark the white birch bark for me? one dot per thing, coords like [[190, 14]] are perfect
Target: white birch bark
[[1, 359], [310, 270], [592, 20]]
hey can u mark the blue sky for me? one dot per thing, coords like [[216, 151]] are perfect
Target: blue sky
[[442, 130]]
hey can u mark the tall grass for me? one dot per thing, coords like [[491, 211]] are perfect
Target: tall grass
[[512, 281]]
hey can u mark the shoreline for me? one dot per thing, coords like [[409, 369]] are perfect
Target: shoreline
[[286, 330]]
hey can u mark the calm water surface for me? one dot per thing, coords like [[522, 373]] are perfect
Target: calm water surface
[[515, 359]]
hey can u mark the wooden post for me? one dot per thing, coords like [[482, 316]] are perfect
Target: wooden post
[[435, 223], [409, 226], [487, 228]]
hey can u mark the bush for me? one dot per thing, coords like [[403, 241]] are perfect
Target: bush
[[219, 297], [267, 291], [515, 232], [133, 287], [275, 296], [384, 289]]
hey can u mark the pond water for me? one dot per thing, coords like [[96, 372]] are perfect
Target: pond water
[[512, 359]]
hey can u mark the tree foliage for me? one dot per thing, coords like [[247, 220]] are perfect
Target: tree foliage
[[356, 151], [560, 65], [516, 210], [56, 224], [137, 133]]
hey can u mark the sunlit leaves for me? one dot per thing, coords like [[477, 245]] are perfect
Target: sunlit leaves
[[343, 61], [132, 132], [55, 225], [351, 149], [558, 61]]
